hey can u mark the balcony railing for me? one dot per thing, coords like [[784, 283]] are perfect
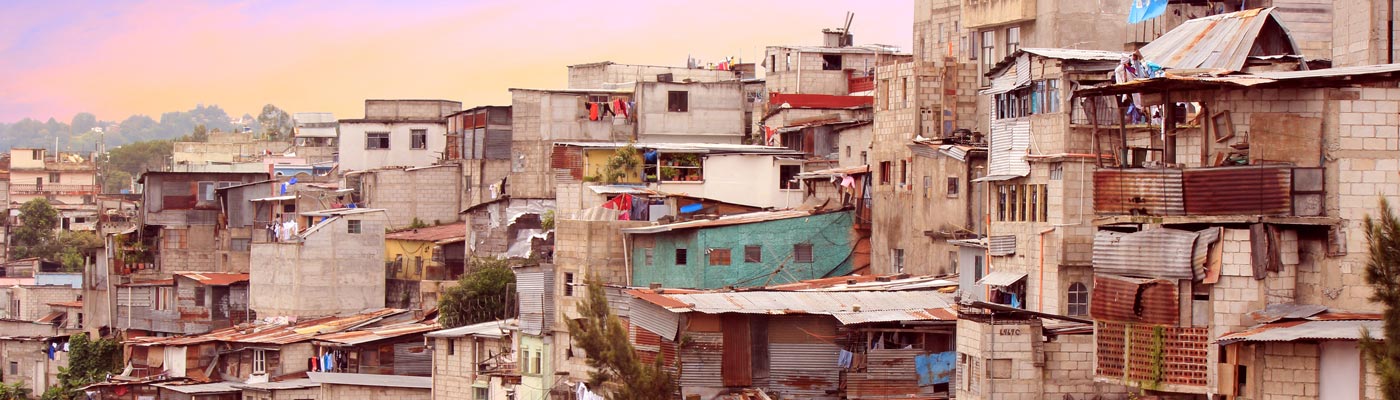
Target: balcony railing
[[54, 188]]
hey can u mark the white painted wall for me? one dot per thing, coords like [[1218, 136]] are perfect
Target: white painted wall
[[746, 179], [354, 156]]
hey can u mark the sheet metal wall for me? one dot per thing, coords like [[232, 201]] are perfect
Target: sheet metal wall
[[1156, 192]]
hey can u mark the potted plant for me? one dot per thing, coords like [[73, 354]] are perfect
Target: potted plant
[[669, 173]]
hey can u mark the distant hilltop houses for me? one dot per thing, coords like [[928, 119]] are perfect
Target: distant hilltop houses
[[1016, 207]]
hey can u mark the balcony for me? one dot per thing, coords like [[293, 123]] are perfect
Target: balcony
[[984, 13], [58, 189], [1256, 190]]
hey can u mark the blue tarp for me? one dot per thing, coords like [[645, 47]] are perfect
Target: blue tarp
[[1143, 10], [935, 368]]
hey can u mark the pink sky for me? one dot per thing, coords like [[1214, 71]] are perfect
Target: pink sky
[[148, 57]]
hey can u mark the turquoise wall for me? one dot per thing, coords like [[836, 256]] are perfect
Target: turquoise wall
[[829, 234]]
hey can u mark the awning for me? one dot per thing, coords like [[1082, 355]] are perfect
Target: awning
[[277, 198], [996, 178], [1289, 331], [1002, 278]]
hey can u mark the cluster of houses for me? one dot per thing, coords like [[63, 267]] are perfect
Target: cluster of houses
[[1039, 201]]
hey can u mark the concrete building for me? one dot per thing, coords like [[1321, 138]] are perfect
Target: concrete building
[[68, 181], [758, 176], [27, 363], [364, 386], [826, 69], [226, 148], [610, 75], [1005, 353], [743, 250], [315, 129], [408, 133], [1293, 252], [479, 133], [334, 266], [179, 220], [431, 195], [474, 361]]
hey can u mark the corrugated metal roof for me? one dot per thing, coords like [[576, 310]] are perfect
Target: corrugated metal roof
[[158, 282], [1155, 192], [1216, 42], [203, 388], [822, 101], [737, 219], [1275, 312], [264, 332], [866, 283], [399, 381], [1123, 299], [883, 306], [1153, 253], [376, 334], [214, 278], [340, 211], [1002, 278], [685, 147], [275, 198], [491, 329], [430, 234], [1288, 331], [1245, 190], [302, 383], [838, 172], [1058, 54], [75, 304], [52, 317]]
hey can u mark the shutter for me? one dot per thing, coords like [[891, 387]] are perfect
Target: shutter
[[530, 286], [1010, 140], [1004, 245], [412, 359]]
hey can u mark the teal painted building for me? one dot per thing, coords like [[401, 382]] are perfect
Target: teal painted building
[[747, 250]]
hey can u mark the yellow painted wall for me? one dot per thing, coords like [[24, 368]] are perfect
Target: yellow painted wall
[[408, 249], [597, 160]]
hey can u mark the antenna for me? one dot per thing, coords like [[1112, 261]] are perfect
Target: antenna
[[846, 31]]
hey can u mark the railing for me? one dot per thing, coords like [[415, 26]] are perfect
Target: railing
[[54, 188], [861, 84]]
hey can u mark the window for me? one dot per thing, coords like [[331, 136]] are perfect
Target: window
[[53, 177], [787, 175], [848, 151], [1078, 299], [773, 63], [677, 101], [953, 261], [206, 191], [259, 361], [718, 256], [419, 138], [1051, 95], [38, 154], [903, 172], [174, 238], [884, 172], [989, 48], [680, 257], [906, 93], [802, 252], [1057, 171], [647, 256], [928, 186], [952, 186], [536, 361], [897, 259], [289, 208], [568, 284], [482, 393], [999, 368], [863, 159], [451, 346], [753, 254], [1013, 39], [376, 140], [977, 268], [885, 94], [831, 62], [352, 226], [165, 298], [199, 296], [1022, 203], [14, 367]]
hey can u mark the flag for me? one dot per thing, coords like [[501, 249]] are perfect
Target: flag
[[1143, 10]]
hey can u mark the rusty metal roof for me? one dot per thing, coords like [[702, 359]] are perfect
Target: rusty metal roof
[[1156, 192], [866, 283], [1342, 76], [158, 282], [75, 304], [52, 317], [430, 234], [838, 172], [1216, 42], [399, 381], [737, 219], [1002, 278], [847, 307], [1123, 299], [214, 278], [376, 334], [1275, 312], [1058, 54], [1287, 331], [277, 333]]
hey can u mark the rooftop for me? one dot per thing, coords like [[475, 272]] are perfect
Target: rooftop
[[847, 307], [214, 278], [399, 381], [492, 329], [736, 219], [1222, 41], [276, 331], [431, 234]]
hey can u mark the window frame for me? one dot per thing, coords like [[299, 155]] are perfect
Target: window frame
[[753, 253], [988, 47], [801, 249], [720, 256], [569, 284], [682, 256], [354, 227], [897, 260], [787, 174], [1013, 39], [952, 185], [418, 139], [259, 361], [377, 141], [55, 177], [677, 101], [827, 65], [1077, 299]]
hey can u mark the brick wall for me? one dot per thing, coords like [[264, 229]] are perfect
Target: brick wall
[[431, 195]]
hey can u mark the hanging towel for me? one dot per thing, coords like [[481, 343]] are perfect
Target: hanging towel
[[592, 111], [607, 109], [621, 107], [844, 360]]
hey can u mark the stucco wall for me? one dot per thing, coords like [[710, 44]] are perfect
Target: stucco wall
[[829, 234], [332, 271], [714, 114], [355, 157], [430, 194]]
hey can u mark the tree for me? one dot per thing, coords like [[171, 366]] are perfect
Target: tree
[[1383, 274], [34, 235], [83, 122], [482, 295], [15, 391], [275, 123], [201, 133], [89, 361], [74, 248], [137, 158], [604, 339]]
